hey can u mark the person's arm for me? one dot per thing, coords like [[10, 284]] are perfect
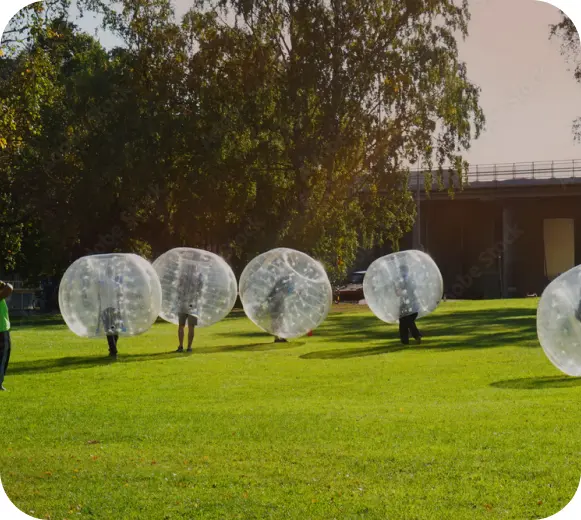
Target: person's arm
[[5, 290]]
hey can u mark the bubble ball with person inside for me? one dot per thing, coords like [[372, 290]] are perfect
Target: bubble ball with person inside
[[196, 283], [111, 294], [559, 322], [285, 292], [401, 284]]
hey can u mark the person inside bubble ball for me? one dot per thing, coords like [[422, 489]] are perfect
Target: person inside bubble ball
[[407, 320], [111, 318], [190, 291], [277, 299], [112, 323]]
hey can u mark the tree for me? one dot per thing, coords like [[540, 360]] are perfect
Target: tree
[[26, 85], [571, 49], [57, 85], [335, 99], [247, 125]]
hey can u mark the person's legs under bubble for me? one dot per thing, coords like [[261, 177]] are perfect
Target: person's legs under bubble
[[112, 342], [181, 338], [182, 317], [404, 329], [277, 320], [192, 322], [415, 332], [110, 319]]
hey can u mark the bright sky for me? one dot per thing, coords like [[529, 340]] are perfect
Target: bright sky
[[529, 97]]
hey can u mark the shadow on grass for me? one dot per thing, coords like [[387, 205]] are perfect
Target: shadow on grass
[[235, 313], [39, 320], [351, 353], [538, 383], [250, 334], [254, 347], [468, 329], [77, 362], [443, 331], [49, 320]]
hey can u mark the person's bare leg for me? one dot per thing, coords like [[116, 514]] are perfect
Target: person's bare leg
[[190, 337], [181, 337]]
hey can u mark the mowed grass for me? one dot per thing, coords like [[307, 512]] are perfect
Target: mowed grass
[[474, 423]]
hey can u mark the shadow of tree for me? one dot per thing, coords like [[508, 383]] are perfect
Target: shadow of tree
[[253, 347], [538, 383], [446, 331], [235, 313], [57, 365], [249, 334], [351, 353], [77, 362], [40, 320]]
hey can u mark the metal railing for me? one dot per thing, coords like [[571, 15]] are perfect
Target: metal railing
[[16, 284], [21, 284], [541, 171], [23, 300]]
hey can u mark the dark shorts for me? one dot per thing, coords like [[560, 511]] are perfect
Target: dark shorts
[[112, 321], [183, 317]]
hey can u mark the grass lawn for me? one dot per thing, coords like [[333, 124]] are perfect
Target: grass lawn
[[474, 423]]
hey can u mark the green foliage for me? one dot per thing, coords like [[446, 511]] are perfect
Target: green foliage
[[27, 86], [46, 91], [566, 31], [293, 126]]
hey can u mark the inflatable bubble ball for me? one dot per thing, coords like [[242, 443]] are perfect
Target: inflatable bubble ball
[[195, 283], [285, 292], [559, 322], [112, 294], [401, 284]]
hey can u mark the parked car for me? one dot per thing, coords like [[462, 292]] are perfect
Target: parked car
[[352, 290]]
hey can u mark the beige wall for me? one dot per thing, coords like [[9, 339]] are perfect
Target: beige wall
[[559, 239]]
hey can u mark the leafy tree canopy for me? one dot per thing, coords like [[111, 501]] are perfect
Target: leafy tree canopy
[[243, 126]]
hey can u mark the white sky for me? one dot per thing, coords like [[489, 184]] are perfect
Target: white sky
[[529, 96]]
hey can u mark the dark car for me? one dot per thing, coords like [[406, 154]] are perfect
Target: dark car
[[352, 290]]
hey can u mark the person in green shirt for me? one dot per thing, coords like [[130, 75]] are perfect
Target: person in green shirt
[[5, 292]]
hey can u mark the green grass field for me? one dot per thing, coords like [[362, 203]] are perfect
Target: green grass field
[[474, 423]]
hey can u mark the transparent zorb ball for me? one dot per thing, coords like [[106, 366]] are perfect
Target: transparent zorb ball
[[401, 284], [112, 294], [559, 322], [285, 292], [196, 283]]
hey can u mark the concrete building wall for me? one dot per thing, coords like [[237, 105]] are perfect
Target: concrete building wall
[[529, 249], [461, 237], [493, 248]]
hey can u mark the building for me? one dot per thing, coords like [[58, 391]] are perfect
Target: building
[[510, 230]]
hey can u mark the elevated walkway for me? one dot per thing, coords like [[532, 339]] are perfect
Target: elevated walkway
[[508, 180]]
